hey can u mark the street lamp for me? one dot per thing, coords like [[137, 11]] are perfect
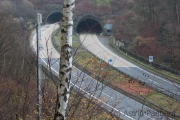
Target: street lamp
[[39, 79]]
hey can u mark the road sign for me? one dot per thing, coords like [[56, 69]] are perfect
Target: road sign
[[110, 61], [39, 18], [150, 58]]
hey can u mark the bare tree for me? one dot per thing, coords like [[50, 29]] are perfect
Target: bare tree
[[16, 70]]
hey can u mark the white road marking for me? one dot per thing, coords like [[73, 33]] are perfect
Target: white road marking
[[92, 95], [127, 68], [137, 66], [112, 52], [46, 64], [154, 81], [107, 95], [177, 86]]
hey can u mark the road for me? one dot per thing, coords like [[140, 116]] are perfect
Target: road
[[122, 106], [91, 42]]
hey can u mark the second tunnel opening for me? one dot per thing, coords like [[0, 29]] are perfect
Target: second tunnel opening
[[89, 26]]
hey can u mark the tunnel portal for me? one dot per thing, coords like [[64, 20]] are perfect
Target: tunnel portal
[[53, 17], [89, 26]]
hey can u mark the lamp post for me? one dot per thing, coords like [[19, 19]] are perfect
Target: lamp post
[[39, 79]]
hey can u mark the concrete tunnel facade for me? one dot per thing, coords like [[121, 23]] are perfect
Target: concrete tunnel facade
[[89, 24], [86, 24]]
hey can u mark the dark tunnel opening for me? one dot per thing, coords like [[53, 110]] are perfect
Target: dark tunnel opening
[[54, 17], [89, 26]]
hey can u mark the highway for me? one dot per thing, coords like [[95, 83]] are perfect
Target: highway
[[113, 101], [91, 42]]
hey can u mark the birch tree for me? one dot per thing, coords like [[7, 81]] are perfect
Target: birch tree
[[63, 89]]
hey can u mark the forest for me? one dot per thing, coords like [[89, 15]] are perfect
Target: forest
[[146, 27]]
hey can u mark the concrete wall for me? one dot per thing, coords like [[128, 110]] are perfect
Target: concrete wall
[[117, 42]]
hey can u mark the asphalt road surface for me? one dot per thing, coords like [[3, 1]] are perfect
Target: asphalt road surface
[[113, 101], [91, 42]]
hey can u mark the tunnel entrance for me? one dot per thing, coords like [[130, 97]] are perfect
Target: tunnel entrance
[[53, 17], [89, 26]]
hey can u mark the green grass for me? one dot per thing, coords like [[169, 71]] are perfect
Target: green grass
[[108, 73], [82, 57], [149, 68], [75, 44], [74, 38], [164, 101]]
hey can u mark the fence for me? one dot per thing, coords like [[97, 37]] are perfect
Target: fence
[[167, 93], [107, 83], [141, 59], [157, 88]]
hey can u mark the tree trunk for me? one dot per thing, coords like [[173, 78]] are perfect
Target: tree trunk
[[63, 90]]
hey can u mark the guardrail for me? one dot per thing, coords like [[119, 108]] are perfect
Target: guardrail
[[53, 74], [168, 93], [155, 87], [123, 91], [144, 60], [156, 65], [131, 95]]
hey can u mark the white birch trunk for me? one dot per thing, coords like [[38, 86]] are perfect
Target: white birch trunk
[[63, 92]]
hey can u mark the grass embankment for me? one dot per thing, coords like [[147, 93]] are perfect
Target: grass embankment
[[101, 70], [147, 67]]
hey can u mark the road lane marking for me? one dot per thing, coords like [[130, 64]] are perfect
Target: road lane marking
[[105, 103], [154, 81], [137, 66], [112, 52], [127, 68], [93, 96], [177, 86], [107, 95]]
